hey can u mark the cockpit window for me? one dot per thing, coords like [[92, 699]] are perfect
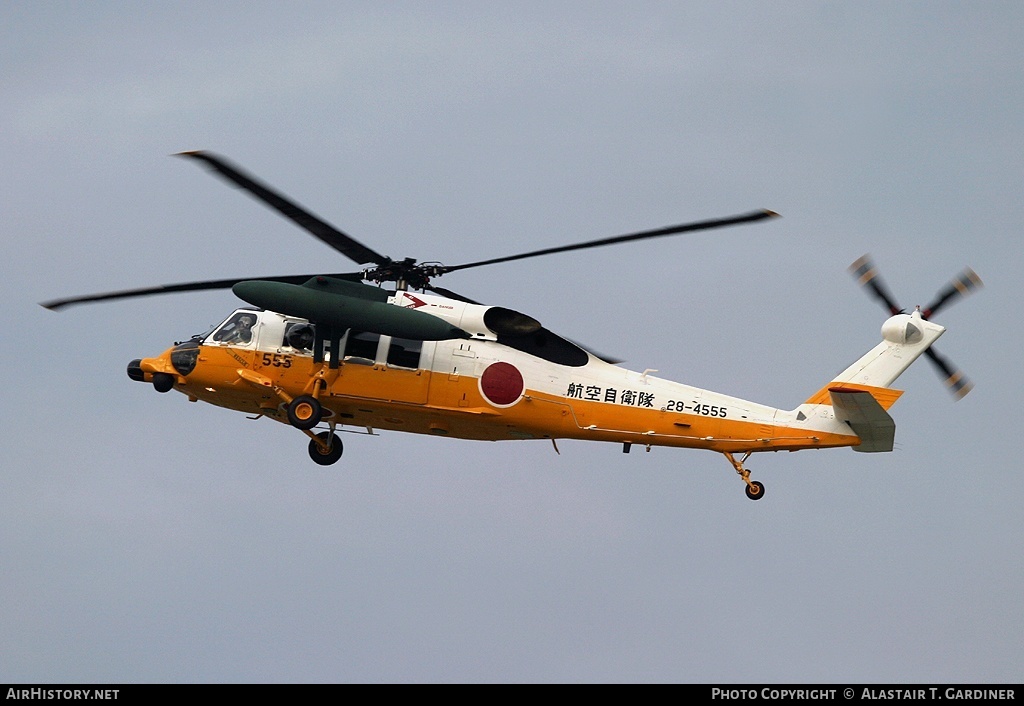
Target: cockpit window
[[204, 335], [237, 329], [549, 346]]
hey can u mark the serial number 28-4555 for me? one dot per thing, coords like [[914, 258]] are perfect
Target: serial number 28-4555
[[708, 410]]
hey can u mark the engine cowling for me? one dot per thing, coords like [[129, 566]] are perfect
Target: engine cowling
[[342, 305]]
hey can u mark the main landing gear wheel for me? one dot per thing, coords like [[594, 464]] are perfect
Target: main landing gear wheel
[[334, 447], [755, 491], [305, 412]]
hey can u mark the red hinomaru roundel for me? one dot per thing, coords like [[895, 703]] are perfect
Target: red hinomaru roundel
[[502, 383]]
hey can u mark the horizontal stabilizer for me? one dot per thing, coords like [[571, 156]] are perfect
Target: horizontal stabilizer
[[866, 417]]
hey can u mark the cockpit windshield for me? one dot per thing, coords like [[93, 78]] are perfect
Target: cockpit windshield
[[238, 329], [204, 335]]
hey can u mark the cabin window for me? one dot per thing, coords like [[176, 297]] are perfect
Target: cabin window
[[404, 353], [362, 347]]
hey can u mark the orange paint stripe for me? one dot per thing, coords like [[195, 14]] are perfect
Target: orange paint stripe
[[370, 396]]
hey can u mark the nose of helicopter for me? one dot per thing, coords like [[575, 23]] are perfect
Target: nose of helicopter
[[151, 370]]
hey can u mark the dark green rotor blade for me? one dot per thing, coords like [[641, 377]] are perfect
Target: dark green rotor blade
[[57, 304], [342, 242], [658, 232]]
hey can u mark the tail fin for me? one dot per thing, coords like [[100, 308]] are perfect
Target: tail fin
[[905, 338], [860, 396]]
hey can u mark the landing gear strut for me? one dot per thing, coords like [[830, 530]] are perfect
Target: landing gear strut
[[755, 489]]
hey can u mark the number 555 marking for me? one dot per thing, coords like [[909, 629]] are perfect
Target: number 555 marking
[[276, 360]]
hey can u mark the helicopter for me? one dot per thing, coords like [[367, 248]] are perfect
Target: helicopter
[[327, 353]]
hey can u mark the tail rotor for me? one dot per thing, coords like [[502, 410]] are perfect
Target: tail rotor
[[960, 286]]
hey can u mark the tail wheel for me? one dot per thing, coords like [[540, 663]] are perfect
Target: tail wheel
[[755, 490], [333, 444], [305, 412]]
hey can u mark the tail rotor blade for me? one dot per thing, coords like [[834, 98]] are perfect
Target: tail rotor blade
[[955, 380], [865, 273], [960, 286]]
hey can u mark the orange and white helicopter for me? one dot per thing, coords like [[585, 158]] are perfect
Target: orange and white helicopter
[[331, 350]]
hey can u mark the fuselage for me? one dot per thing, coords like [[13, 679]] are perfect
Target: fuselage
[[490, 386]]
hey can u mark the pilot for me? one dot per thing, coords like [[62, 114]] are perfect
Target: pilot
[[242, 333]]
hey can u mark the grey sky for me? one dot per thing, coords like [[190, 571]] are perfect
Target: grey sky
[[144, 539]]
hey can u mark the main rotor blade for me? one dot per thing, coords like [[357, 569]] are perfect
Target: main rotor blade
[[57, 304], [955, 380], [960, 286], [670, 230], [864, 270], [450, 294], [343, 243]]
